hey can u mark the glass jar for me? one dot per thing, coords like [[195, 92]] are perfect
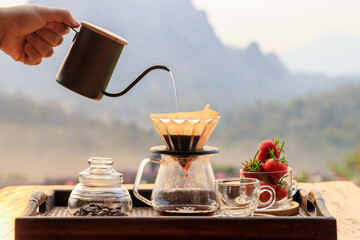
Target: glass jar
[[100, 191]]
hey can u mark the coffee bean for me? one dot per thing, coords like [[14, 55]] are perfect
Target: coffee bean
[[99, 210]]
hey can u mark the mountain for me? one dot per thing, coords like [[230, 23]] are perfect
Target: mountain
[[49, 132], [172, 33]]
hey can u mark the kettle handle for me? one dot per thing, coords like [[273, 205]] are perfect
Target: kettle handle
[[138, 179], [131, 85], [76, 32]]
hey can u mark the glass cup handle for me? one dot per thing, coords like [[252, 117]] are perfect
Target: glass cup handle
[[138, 179], [294, 186], [270, 202]]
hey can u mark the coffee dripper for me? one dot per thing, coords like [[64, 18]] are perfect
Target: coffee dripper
[[91, 60], [185, 183]]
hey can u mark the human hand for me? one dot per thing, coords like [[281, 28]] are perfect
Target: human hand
[[29, 33]]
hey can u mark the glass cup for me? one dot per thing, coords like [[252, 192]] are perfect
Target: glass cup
[[284, 184], [239, 197]]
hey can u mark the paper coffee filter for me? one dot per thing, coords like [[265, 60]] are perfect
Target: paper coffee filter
[[185, 130], [206, 113]]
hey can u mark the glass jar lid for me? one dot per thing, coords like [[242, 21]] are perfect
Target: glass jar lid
[[100, 173]]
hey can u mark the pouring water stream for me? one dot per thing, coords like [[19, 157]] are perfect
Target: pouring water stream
[[175, 90]]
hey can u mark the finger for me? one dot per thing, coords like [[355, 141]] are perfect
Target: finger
[[32, 57], [51, 14], [58, 28], [50, 37], [41, 45]]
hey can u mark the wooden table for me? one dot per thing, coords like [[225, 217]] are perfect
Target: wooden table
[[342, 200]]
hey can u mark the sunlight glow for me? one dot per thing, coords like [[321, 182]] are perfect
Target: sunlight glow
[[280, 25], [9, 3]]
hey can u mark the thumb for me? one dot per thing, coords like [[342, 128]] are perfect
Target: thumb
[[52, 14]]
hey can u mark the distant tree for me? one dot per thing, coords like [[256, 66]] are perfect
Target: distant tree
[[350, 168]]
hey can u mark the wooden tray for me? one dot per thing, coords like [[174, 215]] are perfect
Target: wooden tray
[[46, 217]]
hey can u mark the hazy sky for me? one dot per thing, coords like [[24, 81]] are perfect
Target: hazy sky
[[277, 25], [6, 3], [280, 25], [285, 27]]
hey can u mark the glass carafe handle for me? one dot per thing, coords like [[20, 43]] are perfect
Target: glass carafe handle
[[138, 179]]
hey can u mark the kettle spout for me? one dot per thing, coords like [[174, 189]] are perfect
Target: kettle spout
[[131, 85]]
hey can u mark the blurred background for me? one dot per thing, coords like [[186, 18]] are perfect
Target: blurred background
[[279, 69]]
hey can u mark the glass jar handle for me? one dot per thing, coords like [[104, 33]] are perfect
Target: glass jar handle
[[138, 179], [294, 186], [270, 202]]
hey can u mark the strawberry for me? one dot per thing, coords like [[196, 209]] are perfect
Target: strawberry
[[281, 190], [249, 190], [259, 174], [274, 165], [277, 168], [265, 196], [263, 156], [252, 167], [266, 147]]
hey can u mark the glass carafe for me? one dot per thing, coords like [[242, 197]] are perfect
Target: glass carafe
[[100, 191], [184, 184]]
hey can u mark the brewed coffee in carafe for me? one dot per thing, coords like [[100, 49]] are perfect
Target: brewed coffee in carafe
[[185, 181]]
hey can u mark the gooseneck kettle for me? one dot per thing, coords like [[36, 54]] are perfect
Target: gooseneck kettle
[[91, 60]]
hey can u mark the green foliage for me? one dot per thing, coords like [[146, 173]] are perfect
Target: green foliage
[[315, 128], [12, 179], [303, 177], [332, 119], [43, 139], [350, 168], [228, 170]]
